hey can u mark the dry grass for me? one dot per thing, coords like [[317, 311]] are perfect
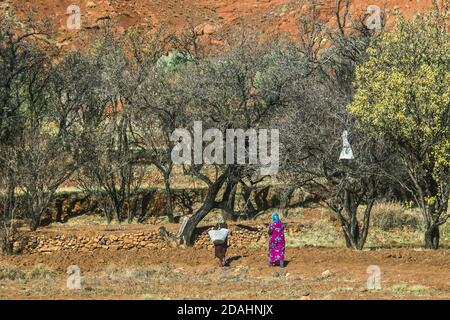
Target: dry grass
[[39, 271], [393, 215], [87, 220], [247, 278], [8, 272], [318, 233], [323, 229], [416, 289], [240, 282], [392, 225]]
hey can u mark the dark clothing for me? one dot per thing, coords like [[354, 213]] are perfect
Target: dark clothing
[[220, 250]]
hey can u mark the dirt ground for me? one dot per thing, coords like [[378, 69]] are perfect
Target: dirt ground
[[319, 267], [330, 272], [312, 273]]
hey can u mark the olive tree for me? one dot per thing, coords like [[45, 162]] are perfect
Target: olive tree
[[161, 104], [403, 95], [240, 89], [36, 155], [108, 156], [313, 125]]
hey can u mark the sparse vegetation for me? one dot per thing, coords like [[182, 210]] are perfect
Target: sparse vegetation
[[40, 271], [393, 215], [103, 117], [9, 272], [99, 123]]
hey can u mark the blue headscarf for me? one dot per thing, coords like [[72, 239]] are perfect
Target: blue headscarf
[[275, 217]]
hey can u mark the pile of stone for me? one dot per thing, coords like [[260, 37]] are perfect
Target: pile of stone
[[239, 237], [122, 241]]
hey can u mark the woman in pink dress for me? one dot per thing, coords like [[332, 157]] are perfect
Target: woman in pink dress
[[276, 242]]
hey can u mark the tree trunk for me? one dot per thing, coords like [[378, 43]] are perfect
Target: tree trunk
[[353, 240], [187, 236], [117, 212], [8, 247], [59, 209], [208, 204], [366, 223], [355, 236], [146, 198], [348, 242], [169, 198], [34, 224], [10, 200], [286, 196], [228, 200], [432, 237]]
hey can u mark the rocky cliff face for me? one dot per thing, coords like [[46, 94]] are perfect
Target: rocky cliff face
[[211, 18]]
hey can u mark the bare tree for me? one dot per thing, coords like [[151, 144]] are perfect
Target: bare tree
[[32, 131], [111, 156], [8, 208], [161, 105], [108, 154], [242, 89], [313, 125], [157, 102], [312, 143]]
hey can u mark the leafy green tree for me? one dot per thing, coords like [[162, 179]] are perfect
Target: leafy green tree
[[174, 60], [403, 94]]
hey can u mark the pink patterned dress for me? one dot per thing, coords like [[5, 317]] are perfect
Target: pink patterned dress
[[276, 243]]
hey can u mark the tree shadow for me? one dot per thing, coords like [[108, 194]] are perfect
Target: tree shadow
[[286, 263], [404, 246], [248, 228]]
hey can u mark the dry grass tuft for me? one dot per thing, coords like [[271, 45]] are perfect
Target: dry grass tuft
[[392, 215], [8, 272], [41, 271]]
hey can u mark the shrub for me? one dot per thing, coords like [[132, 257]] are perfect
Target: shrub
[[41, 272], [8, 272]]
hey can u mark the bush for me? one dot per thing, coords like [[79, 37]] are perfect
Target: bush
[[174, 60], [392, 215], [8, 272], [41, 272]]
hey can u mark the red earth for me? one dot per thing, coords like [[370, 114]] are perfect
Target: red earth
[[312, 272], [214, 18]]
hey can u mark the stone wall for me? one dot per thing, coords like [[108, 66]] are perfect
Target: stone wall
[[100, 241], [44, 243]]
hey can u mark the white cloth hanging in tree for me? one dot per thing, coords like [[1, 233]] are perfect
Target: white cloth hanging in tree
[[347, 152]]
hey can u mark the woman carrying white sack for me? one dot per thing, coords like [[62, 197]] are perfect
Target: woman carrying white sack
[[219, 236]]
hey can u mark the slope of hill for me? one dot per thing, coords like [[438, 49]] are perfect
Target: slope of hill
[[211, 17]]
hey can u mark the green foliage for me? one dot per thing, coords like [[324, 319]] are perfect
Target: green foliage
[[174, 61], [403, 90]]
